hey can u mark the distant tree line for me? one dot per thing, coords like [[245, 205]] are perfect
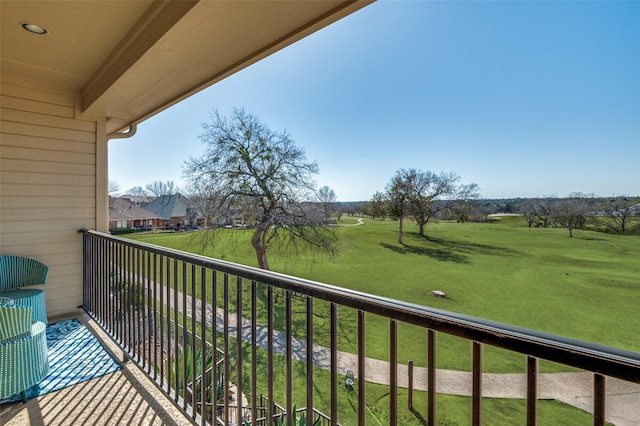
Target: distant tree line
[[619, 215]]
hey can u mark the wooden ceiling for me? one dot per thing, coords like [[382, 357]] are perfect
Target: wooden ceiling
[[128, 60]]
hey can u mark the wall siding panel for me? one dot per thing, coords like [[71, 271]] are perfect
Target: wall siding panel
[[41, 95], [51, 144], [29, 118], [24, 178], [47, 184], [46, 132], [46, 167], [39, 107]]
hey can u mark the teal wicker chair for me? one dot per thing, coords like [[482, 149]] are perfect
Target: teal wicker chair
[[17, 272], [23, 351]]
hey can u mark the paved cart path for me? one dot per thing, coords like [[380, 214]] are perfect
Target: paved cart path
[[622, 403]]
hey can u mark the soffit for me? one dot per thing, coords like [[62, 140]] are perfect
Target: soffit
[[128, 60]]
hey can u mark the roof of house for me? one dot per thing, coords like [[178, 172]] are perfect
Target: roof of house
[[168, 206], [123, 209]]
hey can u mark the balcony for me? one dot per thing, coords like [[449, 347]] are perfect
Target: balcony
[[169, 312]]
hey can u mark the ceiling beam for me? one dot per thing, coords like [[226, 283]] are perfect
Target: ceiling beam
[[157, 20]]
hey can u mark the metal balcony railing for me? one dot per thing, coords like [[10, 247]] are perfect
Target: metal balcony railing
[[171, 311]]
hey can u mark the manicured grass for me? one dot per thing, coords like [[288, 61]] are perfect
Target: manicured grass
[[586, 287], [450, 410]]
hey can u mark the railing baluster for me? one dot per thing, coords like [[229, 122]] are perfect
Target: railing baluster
[[532, 390], [111, 290], [118, 293], [476, 416], [334, 363], [269, 354], [127, 305], [239, 360], [185, 334], [214, 342], [146, 320], [361, 369], [203, 349], [193, 343], [153, 317], [309, 342], [227, 370], [137, 309], [431, 377], [176, 365], [88, 263], [393, 372], [288, 359], [160, 344], [91, 271], [599, 389], [254, 352]]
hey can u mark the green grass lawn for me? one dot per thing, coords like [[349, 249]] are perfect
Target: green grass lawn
[[586, 287], [450, 410]]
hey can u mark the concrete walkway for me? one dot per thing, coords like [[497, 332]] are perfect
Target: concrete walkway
[[576, 389]]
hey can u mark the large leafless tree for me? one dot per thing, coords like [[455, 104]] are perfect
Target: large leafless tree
[[437, 193], [399, 192], [327, 199], [137, 191], [113, 188], [619, 212], [159, 188], [571, 212], [424, 194], [247, 164]]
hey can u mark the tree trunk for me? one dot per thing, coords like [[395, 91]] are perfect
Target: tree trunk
[[421, 230], [261, 254], [400, 231], [260, 248]]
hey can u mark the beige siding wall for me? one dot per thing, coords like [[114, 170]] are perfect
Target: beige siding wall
[[48, 175]]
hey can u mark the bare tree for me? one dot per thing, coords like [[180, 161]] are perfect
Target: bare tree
[[399, 193], [327, 198], [249, 165], [113, 188], [434, 194], [206, 200], [377, 206], [571, 212], [159, 188], [528, 210], [462, 202], [619, 212], [425, 194], [544, 210], [137, 191]]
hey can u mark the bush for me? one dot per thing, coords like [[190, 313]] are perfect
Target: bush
[[120, 231]]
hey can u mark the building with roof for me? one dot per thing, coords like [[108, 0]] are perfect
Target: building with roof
[[174, 211], [125, 214]]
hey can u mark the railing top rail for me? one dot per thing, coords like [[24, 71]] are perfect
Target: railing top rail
[[590, 356]]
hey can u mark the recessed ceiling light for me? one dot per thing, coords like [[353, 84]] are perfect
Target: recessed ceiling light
[[32, 28]]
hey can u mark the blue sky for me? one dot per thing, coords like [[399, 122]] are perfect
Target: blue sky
[[524, 99]]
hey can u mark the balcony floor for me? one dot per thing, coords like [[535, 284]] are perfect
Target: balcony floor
[[123, 397]]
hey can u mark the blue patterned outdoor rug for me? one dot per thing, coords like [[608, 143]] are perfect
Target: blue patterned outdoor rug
[[75, 356]]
